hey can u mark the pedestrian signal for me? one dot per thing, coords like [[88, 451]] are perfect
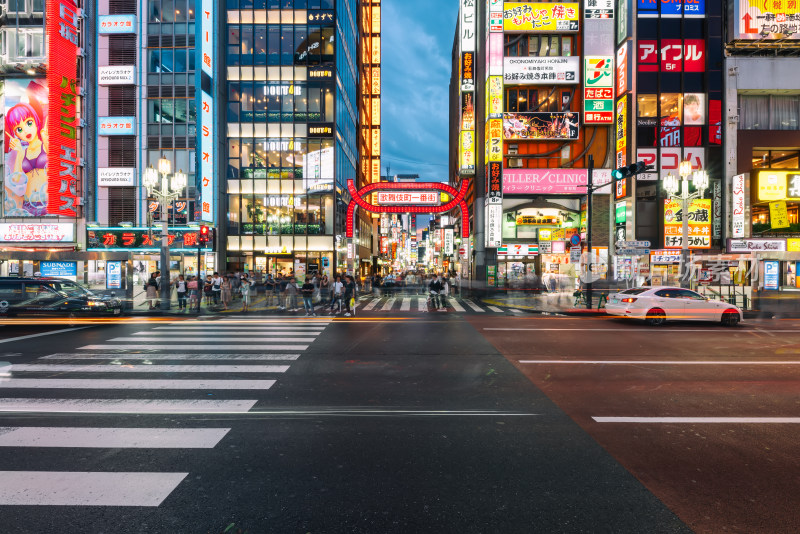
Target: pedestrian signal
[[205, 234]]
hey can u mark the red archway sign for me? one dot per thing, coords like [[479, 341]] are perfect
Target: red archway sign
[[456, 200]]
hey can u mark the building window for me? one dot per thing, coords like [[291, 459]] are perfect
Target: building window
[[769, 112], [539, 45]]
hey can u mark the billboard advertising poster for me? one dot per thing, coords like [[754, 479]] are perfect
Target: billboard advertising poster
[[116, 176], [113, 275], [772, 275], [650, 157], [770, 20], [468, 71], [623, 69], [116, 125], [467, 111], [598, 37], [544, 125], [624, 19], [318, 169], [494, 225], [120, 239], [778, 185], [495, 139], [671, 8], [37, 232], [537, 70], [59, 269], [699, 224], [598, 9], [25, 191], [495, 185], [540, 17], [115, 75], [598, 92], [116, 24], [554, 181]]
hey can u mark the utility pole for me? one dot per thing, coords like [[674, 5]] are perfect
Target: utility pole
[[590, 192]]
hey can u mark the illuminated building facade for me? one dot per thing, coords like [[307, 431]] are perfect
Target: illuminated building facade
[[291, 128]]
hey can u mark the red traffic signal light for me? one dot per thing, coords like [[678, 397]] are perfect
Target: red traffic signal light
[[205, 234]]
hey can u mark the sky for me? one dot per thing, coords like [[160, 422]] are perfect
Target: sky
[[417, 40]]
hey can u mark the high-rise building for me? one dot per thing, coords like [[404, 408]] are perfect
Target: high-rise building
[[291, 124]]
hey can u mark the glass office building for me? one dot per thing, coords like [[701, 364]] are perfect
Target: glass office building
[[290, 124]]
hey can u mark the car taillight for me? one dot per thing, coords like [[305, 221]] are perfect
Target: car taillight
[[629, 299]]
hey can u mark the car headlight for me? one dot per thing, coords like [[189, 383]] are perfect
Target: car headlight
[[97, 304]]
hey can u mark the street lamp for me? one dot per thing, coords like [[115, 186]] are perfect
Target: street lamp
[[166, 192], [678, 189]]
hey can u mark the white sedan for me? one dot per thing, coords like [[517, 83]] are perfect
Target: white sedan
[[656, 304]]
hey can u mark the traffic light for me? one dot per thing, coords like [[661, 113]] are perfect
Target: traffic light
[[205, 234], [631, 170]]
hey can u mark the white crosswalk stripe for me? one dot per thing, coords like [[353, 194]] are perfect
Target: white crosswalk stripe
[[389, 304], [232, 352], [138, 355], [371, 304], [454, 303]]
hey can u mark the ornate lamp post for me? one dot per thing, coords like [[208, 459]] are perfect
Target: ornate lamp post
[[678, 189], [164, 192]]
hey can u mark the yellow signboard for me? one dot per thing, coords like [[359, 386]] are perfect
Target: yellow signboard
[[467, 151], [699, 223], [778, 215], [540, 17], [793, 245], [778, 185], [495, 96]]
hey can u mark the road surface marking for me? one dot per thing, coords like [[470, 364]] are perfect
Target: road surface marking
[[495, 309], [184, 347], [371, 304], [124, 406], [130, 383], [693, 420], [150, 368], [112, 438], [216, 338], [242, 329], [629, 330], [474, 306], [388, 305], [422, 304], [20, 338], [514, 310], [262, 321], [62, 488], [456, 306], [166, 356], [405, 305], [654, 362]]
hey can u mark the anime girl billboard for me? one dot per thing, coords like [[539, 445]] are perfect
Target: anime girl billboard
[[25, 184]]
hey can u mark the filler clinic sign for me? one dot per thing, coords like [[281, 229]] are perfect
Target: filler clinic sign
[[205, 129], [63, 19]]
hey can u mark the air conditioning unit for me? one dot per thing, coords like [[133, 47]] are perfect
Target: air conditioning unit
[[515, 163]]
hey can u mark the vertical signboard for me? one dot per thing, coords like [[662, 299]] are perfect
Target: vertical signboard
[[598, 91], [113, 275], [737, 211], [494, 225], [61, 155], [622, 131], [772, 275], [206, 123]]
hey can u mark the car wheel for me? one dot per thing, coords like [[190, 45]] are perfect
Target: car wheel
[[730, 318], [656, 317]]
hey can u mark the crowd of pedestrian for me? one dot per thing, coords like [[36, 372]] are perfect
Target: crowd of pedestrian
[[281, 292]]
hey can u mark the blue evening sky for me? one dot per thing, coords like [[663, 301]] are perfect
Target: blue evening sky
[[417, 40]]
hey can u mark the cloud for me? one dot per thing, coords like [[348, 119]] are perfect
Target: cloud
[[416, 64]]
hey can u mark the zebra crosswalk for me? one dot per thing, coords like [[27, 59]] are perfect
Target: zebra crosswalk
[[418, 304], [244, 357]]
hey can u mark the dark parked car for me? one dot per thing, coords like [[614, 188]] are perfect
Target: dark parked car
[[53, 296]]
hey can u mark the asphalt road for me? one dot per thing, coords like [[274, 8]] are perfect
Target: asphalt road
[[399, 422]]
